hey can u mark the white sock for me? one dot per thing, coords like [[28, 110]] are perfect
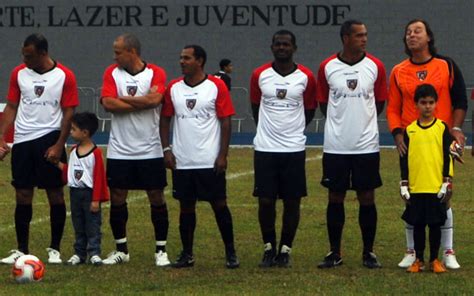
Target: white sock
[[409, 236], [447, 232]]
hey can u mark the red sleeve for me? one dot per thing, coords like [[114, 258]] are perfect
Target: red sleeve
[[224, 106], [309, 95], [322, 85], [167, 108], [380, 86], [64, 173], [14, 92], [255, 91], [159, 78], [100, 191], [109, 88], [70, 96]]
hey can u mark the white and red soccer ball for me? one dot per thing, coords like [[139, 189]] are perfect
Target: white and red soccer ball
[[28, 268]]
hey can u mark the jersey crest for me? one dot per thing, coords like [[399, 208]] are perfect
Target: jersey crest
[[132, 90], [39, 90], [78, 174], [422, 75], [351, 84], [281, 93], [190, 103]]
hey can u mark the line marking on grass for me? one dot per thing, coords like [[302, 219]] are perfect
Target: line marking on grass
[[141, 196]]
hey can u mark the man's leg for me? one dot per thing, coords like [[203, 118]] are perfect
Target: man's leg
[[266, 219], [23, 215], [118, 223], [335, 219], [224, 222], [159, 218], [368, 226], [187, 225]]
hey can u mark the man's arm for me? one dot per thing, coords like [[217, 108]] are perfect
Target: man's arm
[[53, 154], [220, 164], [324, 108], [309, 115], [379, 105], [255, 110], [9, 114], [148, 101], [169, 159], [115, 105]]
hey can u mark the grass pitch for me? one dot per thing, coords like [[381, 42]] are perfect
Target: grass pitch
[[210, 277]]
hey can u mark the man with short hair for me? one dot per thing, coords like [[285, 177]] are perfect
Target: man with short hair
[[41, 99], [202, 108], [424, 65], [132, 91], [226, 68], [351, 90], [283, 98]]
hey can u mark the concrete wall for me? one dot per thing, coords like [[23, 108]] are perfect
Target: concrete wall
[[81, 32]]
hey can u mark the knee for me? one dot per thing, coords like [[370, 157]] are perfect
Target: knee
[[336, 197], [265, 202], [55, 196], [187, 207], [366, 198], [156, 197], [118, 197]]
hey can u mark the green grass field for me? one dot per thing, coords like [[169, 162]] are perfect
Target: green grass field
[[210, 277]]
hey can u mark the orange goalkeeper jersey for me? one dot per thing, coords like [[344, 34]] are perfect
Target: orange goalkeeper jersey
[[440, 72]]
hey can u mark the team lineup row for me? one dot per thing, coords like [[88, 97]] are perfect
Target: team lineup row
[[350, 89]]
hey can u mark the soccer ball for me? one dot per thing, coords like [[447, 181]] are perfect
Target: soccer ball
[[28, 268]]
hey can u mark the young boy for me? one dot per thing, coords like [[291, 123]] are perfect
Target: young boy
[[426, 172], [85, 176]]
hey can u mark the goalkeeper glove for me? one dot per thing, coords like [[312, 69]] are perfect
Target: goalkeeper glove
[[404, 193], [446, 190]]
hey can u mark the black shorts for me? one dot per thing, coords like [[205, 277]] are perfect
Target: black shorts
[[141, 174], [31, 169], [342, 172], [425, 209], [199, 184], [280, 175]]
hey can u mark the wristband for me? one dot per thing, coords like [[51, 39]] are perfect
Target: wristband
[[457, 128], [166, 149]]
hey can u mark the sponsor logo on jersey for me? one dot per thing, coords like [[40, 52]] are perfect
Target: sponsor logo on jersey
[[351, 84], [422, 75], [39, 90], [78, 174], [190, 103], [132, 90], [281, 93]]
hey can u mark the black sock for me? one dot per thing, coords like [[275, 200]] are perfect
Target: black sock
[[435, 241], [187, 224], [224, 222], [291, 219], [118, 223], [368, 226], [419, 237], [266, 217], [335, 217], [159, 217], [58, 219], [23, 214]]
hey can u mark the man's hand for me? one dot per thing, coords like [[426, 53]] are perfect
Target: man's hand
[[53, 154], [220, 165], [401, 147], [456, 151], [446, 190], [404, 192], [4, 149], [458, 136], [95, 206], [170, 160]]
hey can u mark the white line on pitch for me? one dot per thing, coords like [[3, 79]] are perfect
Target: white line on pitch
[[142, 196]]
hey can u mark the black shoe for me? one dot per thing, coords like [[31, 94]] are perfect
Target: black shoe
[[184, 260], [232, 261], [332, 259], [268, 259], [369, 260], [283, 260]]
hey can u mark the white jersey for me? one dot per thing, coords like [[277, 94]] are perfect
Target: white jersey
[[196, 127], [350, 92], [134, 135], [40, 98], [282, 100]]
